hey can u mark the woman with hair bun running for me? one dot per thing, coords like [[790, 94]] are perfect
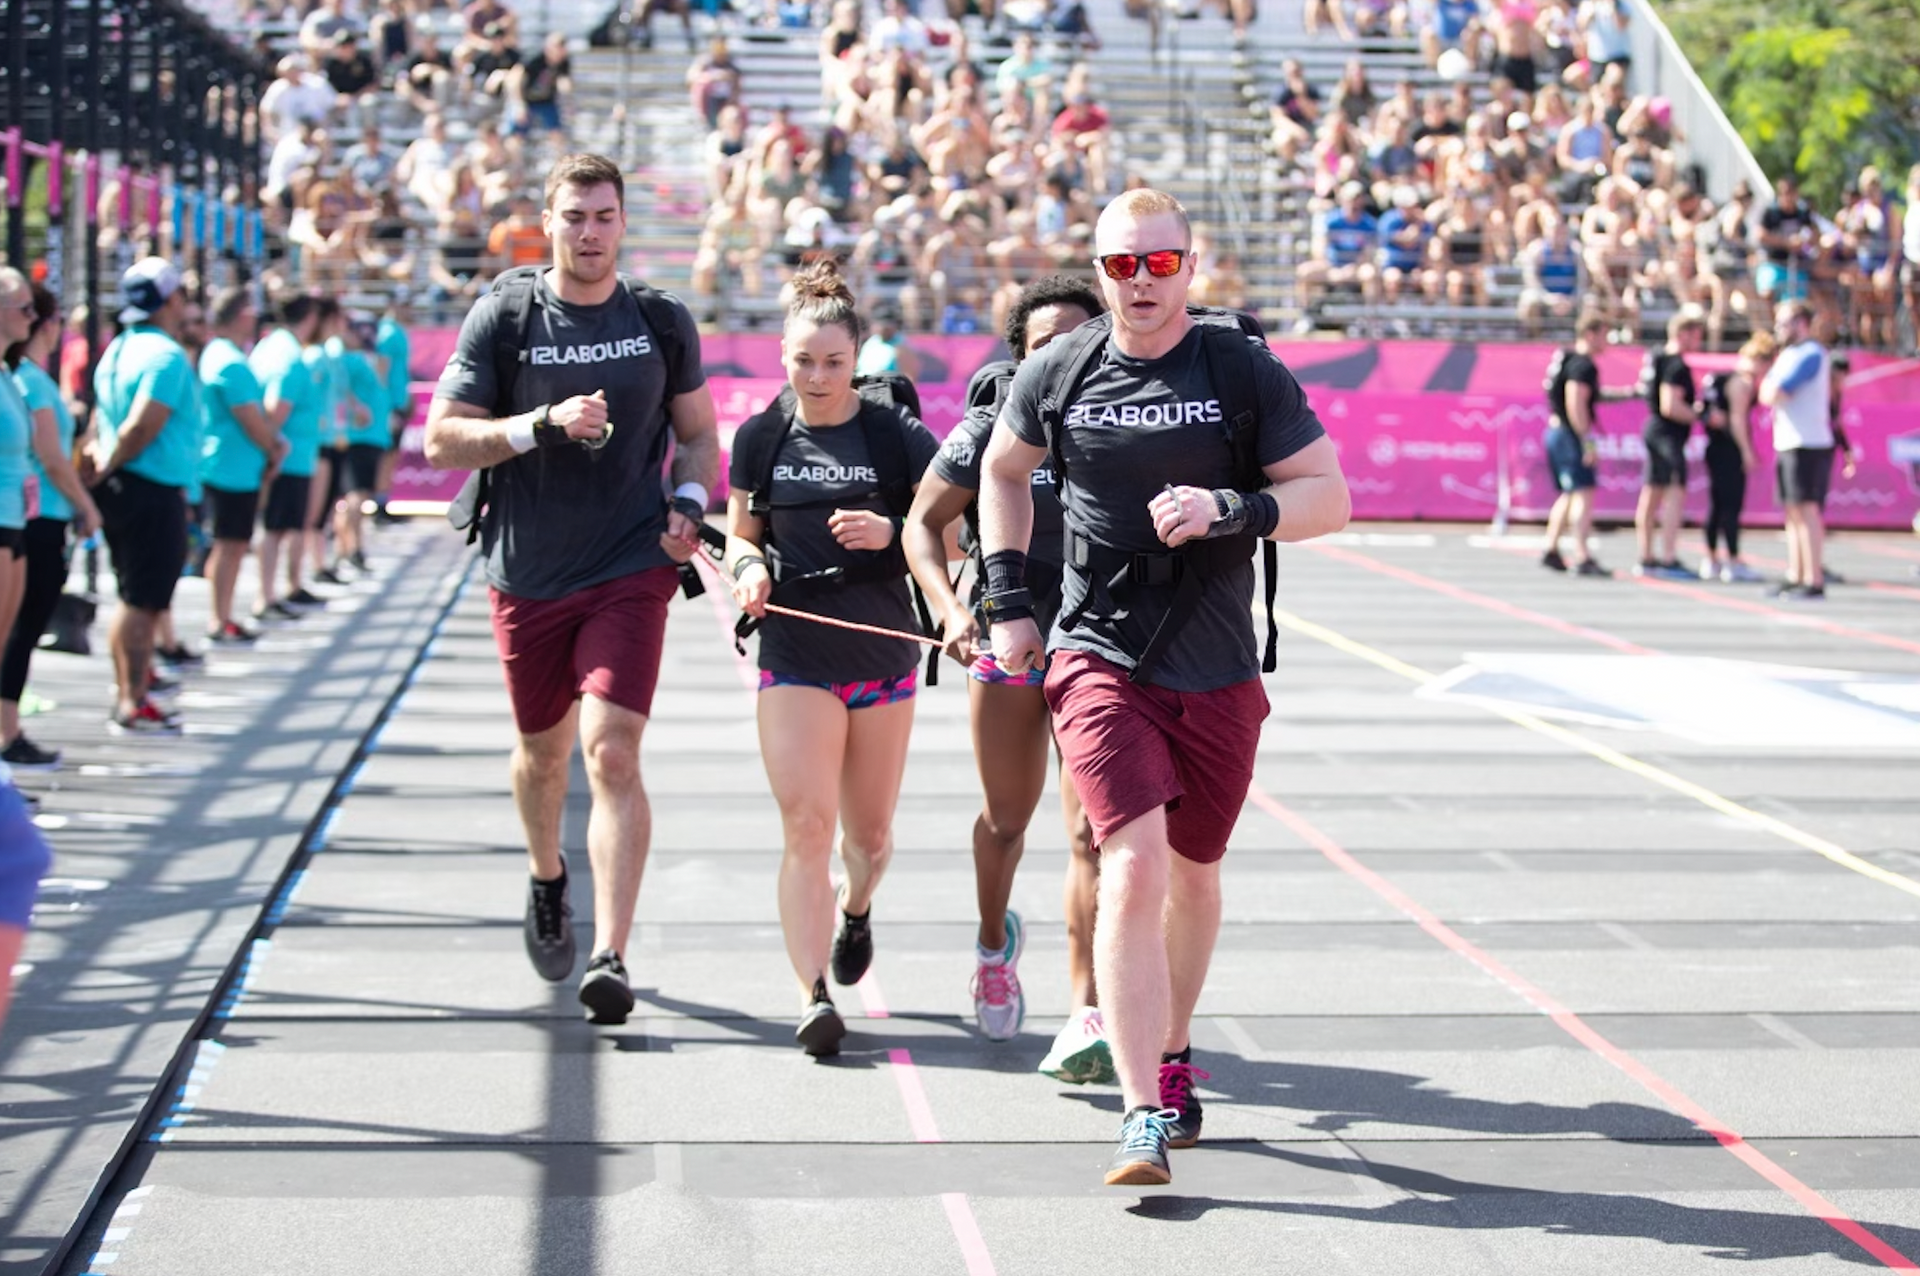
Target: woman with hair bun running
[[811, 529], [1012, 730]]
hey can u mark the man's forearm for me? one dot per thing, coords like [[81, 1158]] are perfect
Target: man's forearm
[[697, 460], [1006, 512], [471, 443]]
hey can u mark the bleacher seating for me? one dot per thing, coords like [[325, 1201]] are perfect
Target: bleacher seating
[[1189, 107]]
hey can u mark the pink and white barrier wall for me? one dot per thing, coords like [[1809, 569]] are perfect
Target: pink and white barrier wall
[[1426, 430]]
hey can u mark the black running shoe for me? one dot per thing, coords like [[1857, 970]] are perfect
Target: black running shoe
[[158, 684], [180, 656], [304, 597], [1552, 561], [358, 561], [549, 929], [821, 1027], [328, 576], [852, 947], [1177, 1095], [1141, 1158], [1804, 594], [273, 611], [24, 755], [1591, 568], [604, 990]]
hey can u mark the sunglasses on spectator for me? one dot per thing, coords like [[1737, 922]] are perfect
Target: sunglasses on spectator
[[1161, 263]]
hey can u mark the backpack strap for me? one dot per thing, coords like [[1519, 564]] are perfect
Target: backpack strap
[[887, 449], [757, 443], [1230, 369], [512, 332], [662, 312], [1065, 376]]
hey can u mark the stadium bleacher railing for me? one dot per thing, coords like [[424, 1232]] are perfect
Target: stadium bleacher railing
[[1661, 68]]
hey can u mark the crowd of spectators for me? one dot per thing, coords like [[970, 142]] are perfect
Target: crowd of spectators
[[1559, 171], [443, 211], [948, 160], [955, 150]]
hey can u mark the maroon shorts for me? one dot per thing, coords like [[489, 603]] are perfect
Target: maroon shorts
[[1131, 747], [603, 642]]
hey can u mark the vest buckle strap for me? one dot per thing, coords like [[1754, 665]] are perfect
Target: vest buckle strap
[[1156, 569]]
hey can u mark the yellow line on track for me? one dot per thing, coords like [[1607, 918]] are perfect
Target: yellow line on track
[[1614, 758]]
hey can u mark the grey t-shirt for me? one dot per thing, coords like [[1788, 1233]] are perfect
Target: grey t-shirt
[[958, 462], [568, 518], [823, 468], [1136, 426]]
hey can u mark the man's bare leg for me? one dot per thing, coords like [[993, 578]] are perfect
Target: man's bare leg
[[620, 827]]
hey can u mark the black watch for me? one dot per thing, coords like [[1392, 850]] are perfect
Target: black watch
[[545, 432]]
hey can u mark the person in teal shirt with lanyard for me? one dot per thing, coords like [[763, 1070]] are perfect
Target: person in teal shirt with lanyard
[[279, 364], [395, 348], [62, 501], [142, 463], [243, 446]]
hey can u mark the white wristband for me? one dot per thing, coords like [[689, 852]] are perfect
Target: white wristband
[[520, 432], [693, 492]]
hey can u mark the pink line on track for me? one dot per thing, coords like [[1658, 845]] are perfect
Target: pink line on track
[[1482, 600], [1766, 560], [1571, 1024], [1902, 553], [914, 1095], [906, 1075], [1801, 618]]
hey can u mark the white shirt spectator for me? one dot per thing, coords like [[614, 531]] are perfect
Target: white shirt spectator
[[901, 30], [290, 155], [294, 101], [1606, 28], [1802, 379]]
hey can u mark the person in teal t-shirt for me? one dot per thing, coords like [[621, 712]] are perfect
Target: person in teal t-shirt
[[167, 644], [243, 448], [63, 500], [16, 445], [279, 363], [144, 457], [394, 347], [324, 356], [368, 432]]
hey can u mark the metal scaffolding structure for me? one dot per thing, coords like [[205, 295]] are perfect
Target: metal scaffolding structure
[[129, 127]]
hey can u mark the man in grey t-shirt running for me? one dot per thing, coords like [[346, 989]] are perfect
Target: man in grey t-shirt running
[[581, 542], [1162, 759]]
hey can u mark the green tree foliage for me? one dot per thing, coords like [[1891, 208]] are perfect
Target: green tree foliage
[[1818, 88]]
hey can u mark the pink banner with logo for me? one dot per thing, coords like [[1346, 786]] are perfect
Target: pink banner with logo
[[1427, 430]]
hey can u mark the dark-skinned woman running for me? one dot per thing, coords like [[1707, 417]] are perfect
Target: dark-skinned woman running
[[1011, 729]]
